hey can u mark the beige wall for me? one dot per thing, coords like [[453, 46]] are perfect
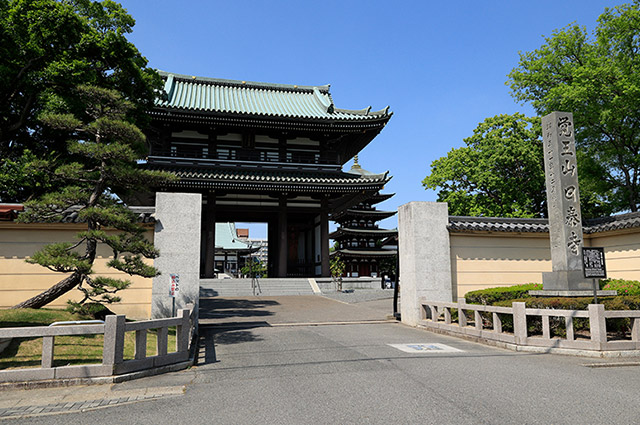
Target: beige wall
[[20, 280], [482, 260], [622, 253]]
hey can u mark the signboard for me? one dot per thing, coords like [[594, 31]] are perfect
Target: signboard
[[174, 284], [593, 263]]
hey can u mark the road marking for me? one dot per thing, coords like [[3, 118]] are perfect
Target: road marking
[[314, 286], [423, 348], [611, 364]]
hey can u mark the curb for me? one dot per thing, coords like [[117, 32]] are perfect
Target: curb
[[114, 379], [539, 350]]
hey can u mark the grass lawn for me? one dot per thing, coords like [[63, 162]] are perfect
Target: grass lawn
[[68, 350]]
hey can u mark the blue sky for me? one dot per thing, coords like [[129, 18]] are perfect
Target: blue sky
[[440, 65]]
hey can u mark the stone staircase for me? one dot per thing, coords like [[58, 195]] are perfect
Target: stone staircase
[[242, 287]]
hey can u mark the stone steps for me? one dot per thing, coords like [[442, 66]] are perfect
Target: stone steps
[[242, 287]]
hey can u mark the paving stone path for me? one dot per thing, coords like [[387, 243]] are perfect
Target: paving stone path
[[46, 401]]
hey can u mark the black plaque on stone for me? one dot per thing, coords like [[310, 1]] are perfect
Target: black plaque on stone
[[593, 263]]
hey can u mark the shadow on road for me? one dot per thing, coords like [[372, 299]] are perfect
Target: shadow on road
[[205, 292], [228, 308], [224, 334]]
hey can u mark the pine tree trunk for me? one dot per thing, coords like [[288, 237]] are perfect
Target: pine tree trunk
[[52, 293]]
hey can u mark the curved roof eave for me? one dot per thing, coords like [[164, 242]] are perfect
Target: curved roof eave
[[191, 94]]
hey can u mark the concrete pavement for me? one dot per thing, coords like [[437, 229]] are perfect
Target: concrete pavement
[[275, 370]]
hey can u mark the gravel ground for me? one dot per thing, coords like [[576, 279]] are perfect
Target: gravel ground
[[360, 295]]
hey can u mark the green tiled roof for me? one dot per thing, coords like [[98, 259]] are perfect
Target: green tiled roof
[[275, 178], [199, 94], [227, 239]]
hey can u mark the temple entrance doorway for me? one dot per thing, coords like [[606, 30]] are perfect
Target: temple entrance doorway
[[288, 242]]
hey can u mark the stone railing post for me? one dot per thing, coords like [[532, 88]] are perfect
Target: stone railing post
[[48, 343], [519, 323], [462, 318], [182, 332], [635, 330], [597, 326], [434, 313], [113, 348]]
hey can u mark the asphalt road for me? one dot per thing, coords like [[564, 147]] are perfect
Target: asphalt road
[[284, 372]]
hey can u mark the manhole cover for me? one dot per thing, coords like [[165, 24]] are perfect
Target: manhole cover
[[425, 348]]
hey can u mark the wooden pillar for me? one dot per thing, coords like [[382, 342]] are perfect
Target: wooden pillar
[[324, 238], [282, 149], [272, 239], [283, 249], [212, 144], [209, 218]]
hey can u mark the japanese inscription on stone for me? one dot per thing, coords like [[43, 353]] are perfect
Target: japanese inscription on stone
[[563, 196]]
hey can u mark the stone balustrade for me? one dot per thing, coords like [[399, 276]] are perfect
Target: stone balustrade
[[438, 316], [113, 362]]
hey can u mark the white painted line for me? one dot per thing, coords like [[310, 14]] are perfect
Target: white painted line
[[422, 348], [314, 286], [617, 364]]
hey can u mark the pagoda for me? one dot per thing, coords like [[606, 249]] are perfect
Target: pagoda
[[263, 152], [358, 237]]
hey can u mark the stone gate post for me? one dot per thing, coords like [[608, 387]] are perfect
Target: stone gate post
[[425, 256], [178, 237]]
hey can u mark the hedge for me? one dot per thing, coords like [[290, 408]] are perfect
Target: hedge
[[557, 324], [624, 287], [490, 296], [628, 299]]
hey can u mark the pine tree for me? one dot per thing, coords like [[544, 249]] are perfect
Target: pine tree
[[104, 151]]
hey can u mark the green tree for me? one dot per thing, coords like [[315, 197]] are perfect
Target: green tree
[[48, 48], [500, 171], [388, 265], [337, 268], [104, 153], [254, 267], [597, 78]]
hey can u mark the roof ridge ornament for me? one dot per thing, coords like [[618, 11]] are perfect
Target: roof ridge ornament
[[326, 102], [168, 88]]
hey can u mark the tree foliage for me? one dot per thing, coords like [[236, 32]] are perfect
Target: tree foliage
[[48, 48], [500, 171], [597, 78], [103, 161], [254, 268], [337, 268]]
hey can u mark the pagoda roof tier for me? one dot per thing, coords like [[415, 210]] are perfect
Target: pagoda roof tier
[[374, 214], [186, 92], [270, 179], [379, 197], [361, 253], [343, 232]]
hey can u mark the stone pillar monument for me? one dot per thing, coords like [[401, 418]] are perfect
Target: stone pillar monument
[[563, 203]]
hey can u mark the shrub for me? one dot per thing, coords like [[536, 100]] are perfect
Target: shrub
[[624, 287], [89, 310], [557, 324], [628, 299], [490, 296]]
